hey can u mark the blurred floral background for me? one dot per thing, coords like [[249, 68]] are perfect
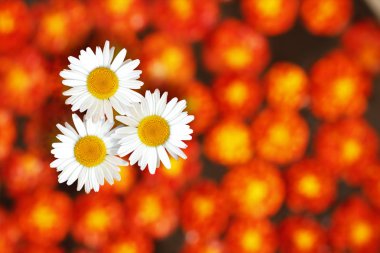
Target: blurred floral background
[[284, 157]]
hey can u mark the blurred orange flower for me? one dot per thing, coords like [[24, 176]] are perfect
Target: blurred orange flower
[[228, 143], [62, 25], [287, 86], [355, 227], [255, 190], [238, 95], [302, 235], [44, 217], [271, 17], [96, 219], [204, 211], [152, 208], [310, 187], [25, 172], [214, 246], [362, 42], [280, 136], [14, 34], [23, 76], [326, 17], [234, 46], [339, 87], [344, 145], [251, 236]]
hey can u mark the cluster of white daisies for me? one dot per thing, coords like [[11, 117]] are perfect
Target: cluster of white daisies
[[151, 127]]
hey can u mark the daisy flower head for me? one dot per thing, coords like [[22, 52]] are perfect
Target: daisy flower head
[[87, 154], [153, 128], [100, 83]]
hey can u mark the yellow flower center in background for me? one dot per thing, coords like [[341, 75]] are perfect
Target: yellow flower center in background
[[257, 191], [97, 219], [102, 83], [126, 247], [269, 7], [351, 151], [361, 233], [44, 217], [304, 239], [119, 6], [279, 135], [252, 241], [55, 24], [203, 206], [90, 151], [7, 23], [237, 93], [309, 186], [183, 8], [237, 57], [153, 131], [150, 209]]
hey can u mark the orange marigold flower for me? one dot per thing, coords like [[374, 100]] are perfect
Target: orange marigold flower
[[355, 227], [152, 208], [287, 86], [343, 146], [254, 190], [302, 235], [326, 17], [26, 171], [165, 60], [228, 143], [7, 133], [238, 95], [362, 43], [185, 19], [62, 25], [130, 241], [24, 75], [251, 236], [271, 17], [181, 172], [14, 34], [44, 217], [204, 211], [234, 46], [310, 187], [96, 219], [280, 136], [339, 87]]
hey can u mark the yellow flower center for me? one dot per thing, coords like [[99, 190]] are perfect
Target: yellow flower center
[[237, 93], [237, 57], [182, 8], [351, 151], [309, 186], [153, 131], [7, 23], [304, 239], [252, 240], [55, 24], [102, 83], [97, 219], [203, 206], [361, 233], [44, 217], [90, 151], [257, 191], [269, 7], [119, 7], [150, 209]]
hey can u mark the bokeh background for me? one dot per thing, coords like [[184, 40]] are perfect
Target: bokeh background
[[284, 158]]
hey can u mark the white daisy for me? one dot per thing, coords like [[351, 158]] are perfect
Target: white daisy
[[99, 83], [87, 154], [154, 127]]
